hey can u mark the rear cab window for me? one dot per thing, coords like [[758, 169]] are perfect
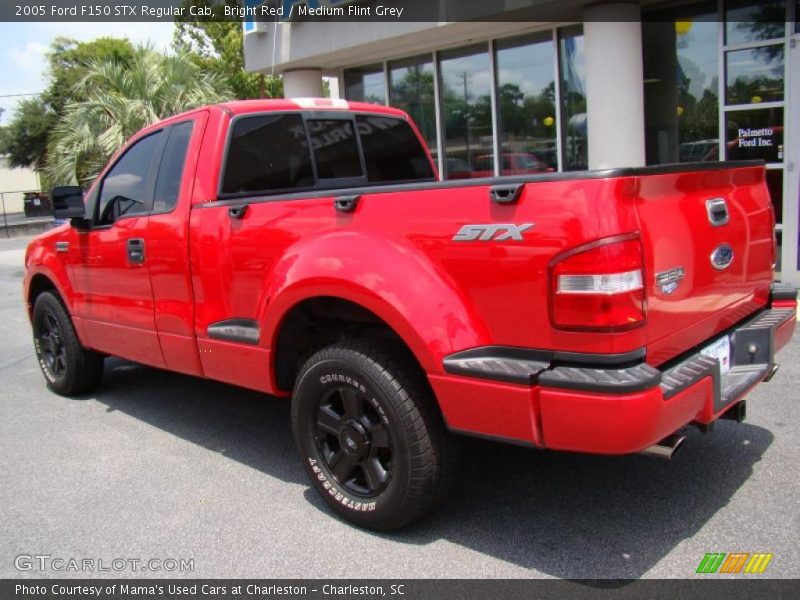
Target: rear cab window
[[267, 153], [271, 153], [392, 151]]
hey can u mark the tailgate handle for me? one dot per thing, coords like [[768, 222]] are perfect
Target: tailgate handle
[[345, 203], [505, 194], [717, 210]]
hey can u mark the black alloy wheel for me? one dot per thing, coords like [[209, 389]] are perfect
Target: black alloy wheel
[[355, 445], [51, 343], [69, 368], [370, 433]]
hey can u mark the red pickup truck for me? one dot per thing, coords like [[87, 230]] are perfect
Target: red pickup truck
[[306, 249]]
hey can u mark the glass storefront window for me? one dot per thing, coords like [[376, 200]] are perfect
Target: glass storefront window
[[526, 99], [754, 134], [574, 141], [754, 75], [681, 79], [365, 84], [754, 20], [466, 109], [412, 90]]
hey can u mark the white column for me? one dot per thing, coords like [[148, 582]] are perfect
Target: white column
[[302, 83], [614, 90]]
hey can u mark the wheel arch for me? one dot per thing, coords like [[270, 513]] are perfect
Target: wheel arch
[[40, 283], [315, 321]]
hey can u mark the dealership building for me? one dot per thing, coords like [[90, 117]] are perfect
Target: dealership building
[[531, 85]]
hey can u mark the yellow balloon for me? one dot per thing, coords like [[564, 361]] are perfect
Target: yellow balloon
[[679, 110], [682, 27], [756, 99], [548, 121]]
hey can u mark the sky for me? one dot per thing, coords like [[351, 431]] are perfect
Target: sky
[[23, 47]]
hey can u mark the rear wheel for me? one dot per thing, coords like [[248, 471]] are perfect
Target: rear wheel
[[370, 434], [68, 367]]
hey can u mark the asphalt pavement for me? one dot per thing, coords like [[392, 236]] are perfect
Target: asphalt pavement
[[156, 465]]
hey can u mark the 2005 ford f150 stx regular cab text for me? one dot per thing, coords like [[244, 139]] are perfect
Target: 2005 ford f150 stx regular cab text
[[306, 249]]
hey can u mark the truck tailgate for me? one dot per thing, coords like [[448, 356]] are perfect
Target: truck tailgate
[[708, 239]]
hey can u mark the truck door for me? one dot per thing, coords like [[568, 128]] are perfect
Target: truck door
[[114, 296], [168, 244]]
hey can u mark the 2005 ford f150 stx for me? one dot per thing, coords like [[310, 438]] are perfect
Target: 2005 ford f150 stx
[[306, 249]]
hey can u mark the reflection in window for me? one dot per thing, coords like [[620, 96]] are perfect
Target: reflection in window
[[391, 150], [467, 109], [754, 20], [124, 189], [754, 134], [526, 100], [573, 99], [170, 172], [335, 148], [754, 75], [412, 90], [681, 71], [365, 84]]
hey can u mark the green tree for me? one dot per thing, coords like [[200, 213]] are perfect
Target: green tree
[[69, 62], [218, 47], [27, 136], [118, 100], [24, 140]]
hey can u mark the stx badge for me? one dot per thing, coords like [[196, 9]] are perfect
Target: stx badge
[[498, 233]]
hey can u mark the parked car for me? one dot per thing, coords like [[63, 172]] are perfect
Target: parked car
[[512, 163], [306, 249], [457, 168]]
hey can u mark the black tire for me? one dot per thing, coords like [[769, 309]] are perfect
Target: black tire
[[373, 399], [69, 368]]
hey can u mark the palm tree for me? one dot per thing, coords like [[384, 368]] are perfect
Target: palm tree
[[120, 99]]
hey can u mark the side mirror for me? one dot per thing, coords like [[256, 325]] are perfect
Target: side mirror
[[68, 202]]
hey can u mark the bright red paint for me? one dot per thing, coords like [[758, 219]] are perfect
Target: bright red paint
[[394, 255]]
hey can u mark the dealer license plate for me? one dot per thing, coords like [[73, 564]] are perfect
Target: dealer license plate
[[721, 350]]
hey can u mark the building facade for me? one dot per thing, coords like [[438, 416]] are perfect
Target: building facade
[[14, 182], [584, 86]]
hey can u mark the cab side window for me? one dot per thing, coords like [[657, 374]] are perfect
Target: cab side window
[[125, 190]]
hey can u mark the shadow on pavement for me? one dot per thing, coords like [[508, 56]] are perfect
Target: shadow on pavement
[[566, 515]]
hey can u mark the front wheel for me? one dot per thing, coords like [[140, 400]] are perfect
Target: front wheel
[[68, 367], [370, 434]]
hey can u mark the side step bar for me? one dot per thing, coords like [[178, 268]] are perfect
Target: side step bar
[[666, 448]]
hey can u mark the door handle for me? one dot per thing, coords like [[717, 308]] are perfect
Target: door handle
[[135, 251]]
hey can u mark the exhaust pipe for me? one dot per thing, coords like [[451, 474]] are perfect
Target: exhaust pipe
[[666, 448], [772, 372]]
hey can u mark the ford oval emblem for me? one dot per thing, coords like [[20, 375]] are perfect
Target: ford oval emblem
[[722, 257]]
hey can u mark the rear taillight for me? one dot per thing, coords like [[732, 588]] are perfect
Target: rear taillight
[[599, 286]]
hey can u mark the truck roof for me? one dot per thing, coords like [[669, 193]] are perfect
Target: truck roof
[[238, 107], [241, 107]]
